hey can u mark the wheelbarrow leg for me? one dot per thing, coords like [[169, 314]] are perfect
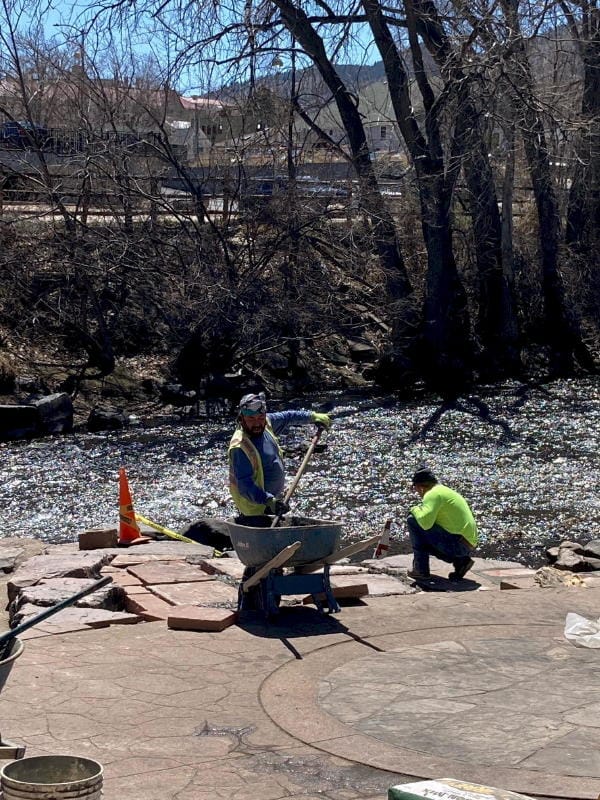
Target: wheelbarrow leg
[[332, 602]]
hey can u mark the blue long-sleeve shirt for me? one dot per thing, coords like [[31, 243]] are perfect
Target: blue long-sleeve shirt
[[273, 469]]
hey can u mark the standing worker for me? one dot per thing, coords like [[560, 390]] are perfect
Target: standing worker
[[256, 470], [442, 525]]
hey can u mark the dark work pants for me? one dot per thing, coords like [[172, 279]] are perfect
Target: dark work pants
[[435, 542]]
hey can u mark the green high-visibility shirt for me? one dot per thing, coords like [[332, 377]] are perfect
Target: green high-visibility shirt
[[447, 508]]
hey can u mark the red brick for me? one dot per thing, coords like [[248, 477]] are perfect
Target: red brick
[[200, 618], [95, 540]]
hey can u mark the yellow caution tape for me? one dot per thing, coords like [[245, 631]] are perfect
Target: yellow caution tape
[[161, 529]]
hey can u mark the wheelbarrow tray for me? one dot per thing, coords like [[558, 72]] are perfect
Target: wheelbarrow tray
[[257, 543]]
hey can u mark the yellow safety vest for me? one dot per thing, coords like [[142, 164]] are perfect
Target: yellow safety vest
[[242, 440]]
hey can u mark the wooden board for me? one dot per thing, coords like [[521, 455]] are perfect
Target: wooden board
[[345, 552], [277, 561]]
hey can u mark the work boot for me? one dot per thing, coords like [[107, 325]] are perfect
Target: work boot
[[461, 567], [418, 576]]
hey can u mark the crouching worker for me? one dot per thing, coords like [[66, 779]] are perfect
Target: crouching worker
[[256, 469], [442, 525]]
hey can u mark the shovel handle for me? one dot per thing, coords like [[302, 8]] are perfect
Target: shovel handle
[[302, 467]]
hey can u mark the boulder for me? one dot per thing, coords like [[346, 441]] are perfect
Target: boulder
[[18, 422], [9, 557], [592, 549], [55, 413], [210, 532], [362, 351], [106, 419], [552, 578], [552, 554], [568, 559], [576, 547]]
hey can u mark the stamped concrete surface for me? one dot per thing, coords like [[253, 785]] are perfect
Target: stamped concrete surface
[[476, 685]]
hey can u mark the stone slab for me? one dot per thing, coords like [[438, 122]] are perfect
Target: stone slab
[[168, 572], [200, 618], [121, 577], [55, 590], [135, 588], [98, 539], [200, 593], [232, 567], [71, 565], [74, 616], [147, 605]]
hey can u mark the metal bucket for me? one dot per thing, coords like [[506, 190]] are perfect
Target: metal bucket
[[52, 778], [256, 543], [7, 663]]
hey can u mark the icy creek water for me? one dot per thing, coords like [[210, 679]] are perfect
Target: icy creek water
[[531, 481]]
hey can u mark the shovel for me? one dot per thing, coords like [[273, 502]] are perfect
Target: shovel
[[298, 475], [7, 638]]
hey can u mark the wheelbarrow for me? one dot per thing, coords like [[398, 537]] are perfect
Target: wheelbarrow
[[307, 547]]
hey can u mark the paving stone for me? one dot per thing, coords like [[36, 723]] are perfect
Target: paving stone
[[200, 618], [232, 567], [55, 590], [74, 616], [97, 539], [200, 593], [135, 588], [121, 577], [168, 572], [147, 605], [70, 565], [125, 561]]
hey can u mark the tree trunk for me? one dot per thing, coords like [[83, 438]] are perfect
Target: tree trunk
[[447, 348], [562, 332], [583, 218], [398, 285], [497, 322]]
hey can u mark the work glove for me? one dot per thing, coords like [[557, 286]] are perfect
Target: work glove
[[324, 420], [275, 505]]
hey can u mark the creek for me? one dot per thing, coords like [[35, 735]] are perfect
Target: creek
[[531, 474]]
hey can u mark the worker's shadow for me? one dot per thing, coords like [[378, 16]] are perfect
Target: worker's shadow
[[438, 584], [295, 622]]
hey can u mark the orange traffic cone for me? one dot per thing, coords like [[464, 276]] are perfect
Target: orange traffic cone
[[129, 531], [384, 543]]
